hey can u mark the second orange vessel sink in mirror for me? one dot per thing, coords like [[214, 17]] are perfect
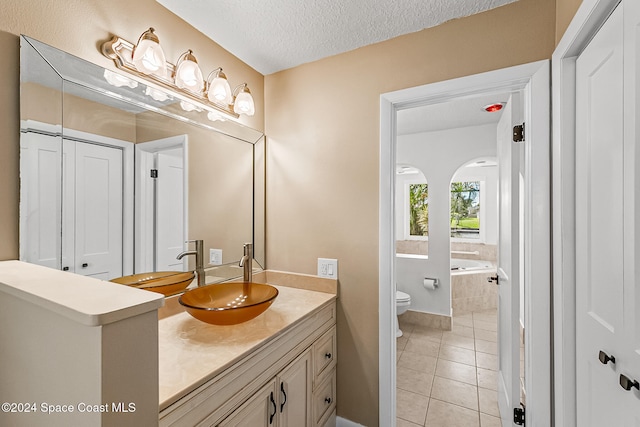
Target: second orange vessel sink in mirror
[[162, 282], [228, 303]]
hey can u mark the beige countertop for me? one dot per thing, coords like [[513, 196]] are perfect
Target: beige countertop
[[192, 352], [85, 300]]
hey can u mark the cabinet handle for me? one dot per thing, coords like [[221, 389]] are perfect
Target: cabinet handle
[[275, 410], [85, 265], [327, 355], [327, 400], [605, 358], [65, 268], [284, 394], [627, 383]]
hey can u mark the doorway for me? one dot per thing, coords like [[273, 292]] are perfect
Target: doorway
[[533, 80]]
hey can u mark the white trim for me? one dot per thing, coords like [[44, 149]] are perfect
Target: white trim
[[514, 78], [586, 22]]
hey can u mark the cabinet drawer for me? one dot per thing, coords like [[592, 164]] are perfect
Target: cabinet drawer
[[324, 353], [324, 399]]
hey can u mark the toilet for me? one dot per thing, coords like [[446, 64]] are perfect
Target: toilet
[[403, 301]]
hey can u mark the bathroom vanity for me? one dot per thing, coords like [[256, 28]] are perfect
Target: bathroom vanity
[[275, 370], [80, 351]]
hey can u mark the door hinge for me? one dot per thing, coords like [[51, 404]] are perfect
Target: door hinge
[[518, 415], [518, 133], [154, 173]]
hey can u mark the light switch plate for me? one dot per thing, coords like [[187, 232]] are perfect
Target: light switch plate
[[328, 268], [215, 256]]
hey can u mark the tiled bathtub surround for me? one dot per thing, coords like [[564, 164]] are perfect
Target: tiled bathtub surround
[[421, 247], [470, 291], [448, 378]]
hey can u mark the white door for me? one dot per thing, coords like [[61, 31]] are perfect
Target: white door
[[98, 211], [40, 199], [599, 222], [606, 256], [630, 362], [508, 267], [169, 209]]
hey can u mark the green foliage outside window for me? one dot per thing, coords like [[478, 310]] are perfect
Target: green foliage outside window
[[419, 209]]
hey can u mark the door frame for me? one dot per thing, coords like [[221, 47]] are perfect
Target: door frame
[[587, 21], [145, 200], [537, 223]]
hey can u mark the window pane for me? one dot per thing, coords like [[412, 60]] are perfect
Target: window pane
[[418, 209], [465, 209]]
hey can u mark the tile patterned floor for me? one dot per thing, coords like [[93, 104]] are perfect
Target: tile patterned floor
[[448, 378]]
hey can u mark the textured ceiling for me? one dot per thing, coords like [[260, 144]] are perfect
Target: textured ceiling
[[449, 115], [273, 35]]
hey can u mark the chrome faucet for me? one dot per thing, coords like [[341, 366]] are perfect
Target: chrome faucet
[[199, 253], [247, 262]]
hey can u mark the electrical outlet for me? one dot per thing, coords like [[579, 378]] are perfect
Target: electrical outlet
[[328, 268], [215, 256]]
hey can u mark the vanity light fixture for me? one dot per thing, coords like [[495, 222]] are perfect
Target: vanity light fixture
[[243, 101], [148, 57], [218, 89], [188, 74], [146, 61]]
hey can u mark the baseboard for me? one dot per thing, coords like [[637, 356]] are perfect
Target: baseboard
[[343, 422], [430, 320]]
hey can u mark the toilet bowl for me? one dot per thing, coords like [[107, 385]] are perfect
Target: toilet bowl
[[403, 301]]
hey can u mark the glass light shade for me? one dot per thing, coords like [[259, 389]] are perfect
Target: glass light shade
[[156, 94], [118, 80], [188, 74], [219, 90], [215, 117], [244, 103], [187, 106], [149, 58]]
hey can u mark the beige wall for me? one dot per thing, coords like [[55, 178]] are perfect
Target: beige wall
[[565, 10], [322, 124], [78, 27]]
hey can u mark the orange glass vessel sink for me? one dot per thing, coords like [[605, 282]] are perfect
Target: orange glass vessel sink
[[163, 282], [228, 303]]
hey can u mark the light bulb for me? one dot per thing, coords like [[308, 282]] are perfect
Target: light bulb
[[219, 90], [188, 74], [244, 103], [148, 56]]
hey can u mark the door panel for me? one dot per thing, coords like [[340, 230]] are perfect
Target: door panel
[[40, 199], [600, 224], [98, 211], [170, 209], [508, 267]]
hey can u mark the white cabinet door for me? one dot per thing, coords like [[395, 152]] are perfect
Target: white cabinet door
[[294, 385], [606, 204], [98, 211], [508, 267], [259, 411]]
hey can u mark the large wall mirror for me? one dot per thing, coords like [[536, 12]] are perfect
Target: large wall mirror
[[116, 176]]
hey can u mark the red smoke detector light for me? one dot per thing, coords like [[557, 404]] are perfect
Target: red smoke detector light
[[493, 108]]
